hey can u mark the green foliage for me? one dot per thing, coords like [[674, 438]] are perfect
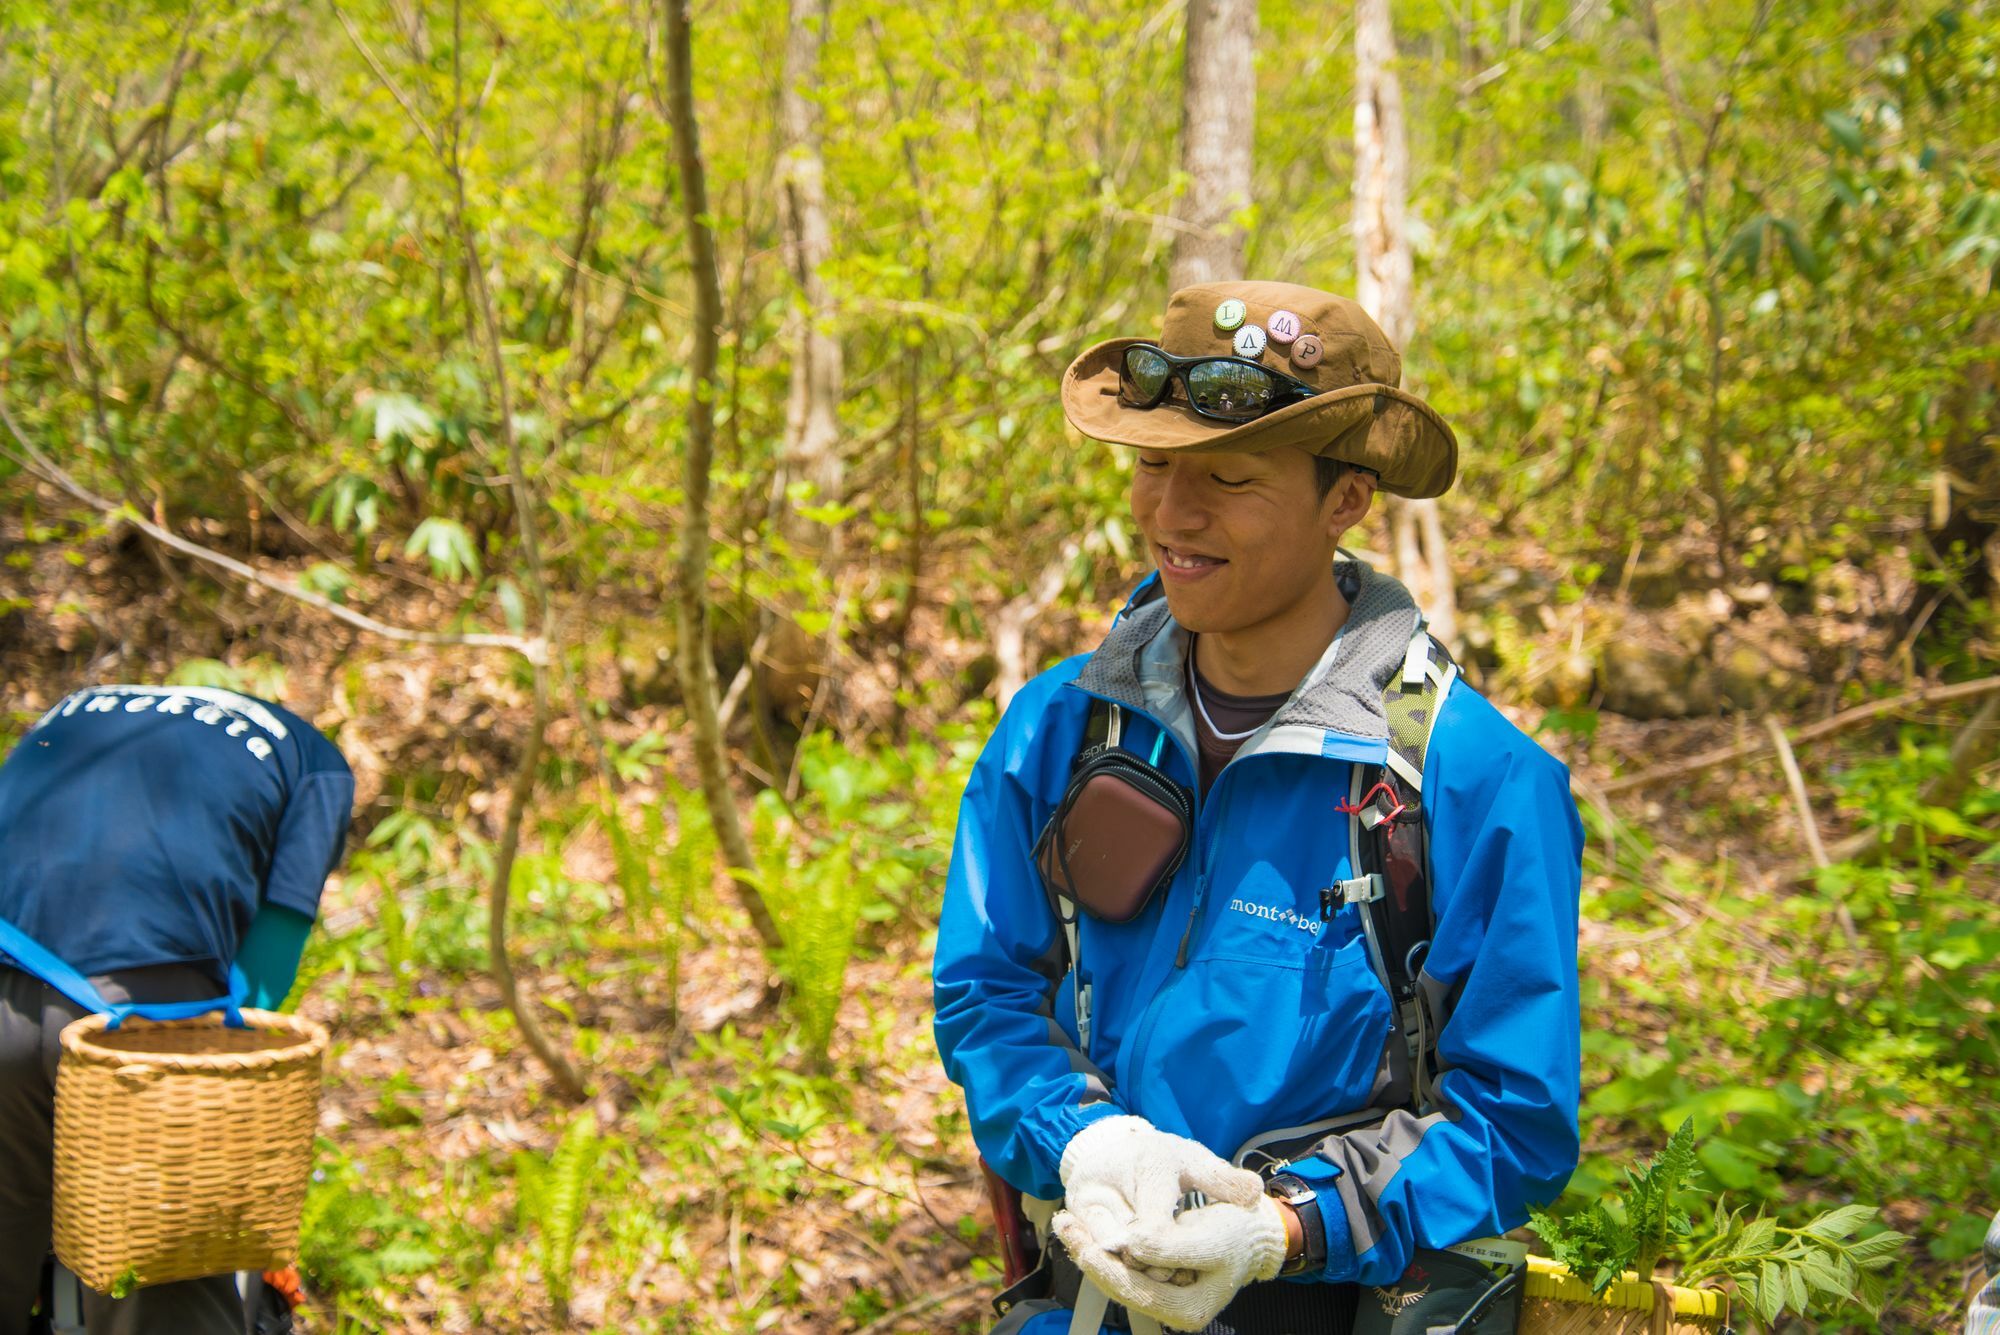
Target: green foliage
[[1821, 1266], [1862, 1080], [817, 902], [554, 1196], [855, 860], [1599, 1244], [663, 879], [1818, 1268], [259, 676], [354, 1240]]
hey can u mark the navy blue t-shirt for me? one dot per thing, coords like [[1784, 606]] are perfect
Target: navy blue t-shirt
[[144, 825]]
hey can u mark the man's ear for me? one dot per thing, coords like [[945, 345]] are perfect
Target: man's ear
[[1347, 504]]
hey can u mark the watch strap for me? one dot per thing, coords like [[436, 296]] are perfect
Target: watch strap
[[1296, 1192]]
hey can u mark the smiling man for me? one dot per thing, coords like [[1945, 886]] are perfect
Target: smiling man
[[1234, 1084]]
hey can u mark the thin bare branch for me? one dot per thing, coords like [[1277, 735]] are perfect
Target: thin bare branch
[[1925, 695], [535, 649], [389, 84], [483, 327]]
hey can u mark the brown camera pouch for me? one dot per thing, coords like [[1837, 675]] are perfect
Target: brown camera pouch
[[1118, 835]]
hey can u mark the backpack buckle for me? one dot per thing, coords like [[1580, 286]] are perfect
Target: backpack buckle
[[1361, 890]]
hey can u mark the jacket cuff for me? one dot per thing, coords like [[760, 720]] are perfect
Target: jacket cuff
[[1342, 1265]]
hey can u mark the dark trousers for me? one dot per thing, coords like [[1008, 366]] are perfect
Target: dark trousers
[[32, 1017]]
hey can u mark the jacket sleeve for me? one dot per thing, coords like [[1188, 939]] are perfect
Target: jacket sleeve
[[1000, 963], [1506, 866]]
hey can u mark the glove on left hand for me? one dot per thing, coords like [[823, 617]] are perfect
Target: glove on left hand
[[1223, 1246]]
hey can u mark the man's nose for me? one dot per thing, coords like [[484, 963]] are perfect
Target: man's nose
[[1181, 508]]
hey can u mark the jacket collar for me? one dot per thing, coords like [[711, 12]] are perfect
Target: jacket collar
[[1335, 711]]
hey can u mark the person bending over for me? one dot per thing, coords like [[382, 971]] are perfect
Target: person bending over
[[150, 838]]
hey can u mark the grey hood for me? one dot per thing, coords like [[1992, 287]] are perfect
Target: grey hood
[[1336, 711]]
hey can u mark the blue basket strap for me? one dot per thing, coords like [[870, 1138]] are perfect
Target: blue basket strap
[[37, 959], [231, 1006]]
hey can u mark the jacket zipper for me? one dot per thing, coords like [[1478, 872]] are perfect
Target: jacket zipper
[[1202, 869]]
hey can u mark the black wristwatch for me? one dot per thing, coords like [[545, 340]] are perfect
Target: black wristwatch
[[1296, 1192]]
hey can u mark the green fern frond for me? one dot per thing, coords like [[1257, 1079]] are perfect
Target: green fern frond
[[554, 1196]]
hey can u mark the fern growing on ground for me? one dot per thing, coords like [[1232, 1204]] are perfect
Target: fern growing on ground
[[552, 1197], [659, 877], [817, 900]]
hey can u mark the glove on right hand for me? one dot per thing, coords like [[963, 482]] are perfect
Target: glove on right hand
[[1123, 1172]]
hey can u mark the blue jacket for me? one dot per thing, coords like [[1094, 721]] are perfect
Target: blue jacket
[[1276, 1036]]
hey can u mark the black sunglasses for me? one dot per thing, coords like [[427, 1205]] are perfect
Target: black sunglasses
[[1228, 389]]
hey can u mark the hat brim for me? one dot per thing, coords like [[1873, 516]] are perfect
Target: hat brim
[[1404, 441]]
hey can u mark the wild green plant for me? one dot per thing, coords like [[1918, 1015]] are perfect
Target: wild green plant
[[661, 877], [553, 1197], [1821, 1264], [355, 1241], [1599, 1244], [817, 896]]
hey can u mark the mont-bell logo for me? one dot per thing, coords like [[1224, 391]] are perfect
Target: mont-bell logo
[[1271, 913]]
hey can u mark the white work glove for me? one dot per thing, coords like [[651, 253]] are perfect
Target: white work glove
[[1123, 1178], [1123, 1172], [1223, 1246]]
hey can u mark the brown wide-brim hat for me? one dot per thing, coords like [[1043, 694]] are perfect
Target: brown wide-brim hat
[[1359, 415]]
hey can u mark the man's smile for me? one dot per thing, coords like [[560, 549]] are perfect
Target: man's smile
[[1180, 564]]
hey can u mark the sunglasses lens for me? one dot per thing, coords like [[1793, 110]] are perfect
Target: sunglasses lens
[[1230, 389], [1145, 376]]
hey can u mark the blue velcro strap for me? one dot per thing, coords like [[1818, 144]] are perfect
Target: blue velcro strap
[[35, 958]]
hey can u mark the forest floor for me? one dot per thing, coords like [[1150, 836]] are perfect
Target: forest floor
[[721, 1179]]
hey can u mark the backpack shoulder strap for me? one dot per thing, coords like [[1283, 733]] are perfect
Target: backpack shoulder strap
[[1389, 833], [1411, 701]]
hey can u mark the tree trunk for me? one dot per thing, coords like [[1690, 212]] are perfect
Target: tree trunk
[[1218, 126], [693, 658], [483, 325], [1385, 286], [812, 412]]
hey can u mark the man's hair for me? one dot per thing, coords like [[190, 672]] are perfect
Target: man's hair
[[1327, 472]]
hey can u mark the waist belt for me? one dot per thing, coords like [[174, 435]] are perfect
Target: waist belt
[[32, 957], [1271, 1307]]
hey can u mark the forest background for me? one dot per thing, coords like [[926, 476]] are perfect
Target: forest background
[[638, 448]]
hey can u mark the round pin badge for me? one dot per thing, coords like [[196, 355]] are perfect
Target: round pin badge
[[1230, 314], [1284, 327], [1307, 351], [1250, 341]]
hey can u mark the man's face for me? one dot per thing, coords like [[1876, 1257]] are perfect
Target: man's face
[[1240, 538]]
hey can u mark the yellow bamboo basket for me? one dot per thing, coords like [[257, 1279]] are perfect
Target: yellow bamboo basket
[[183, 1147], [1557, 1303]]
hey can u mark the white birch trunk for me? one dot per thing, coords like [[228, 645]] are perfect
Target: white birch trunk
[[812, 410], [1218, 127], [1385, 286]]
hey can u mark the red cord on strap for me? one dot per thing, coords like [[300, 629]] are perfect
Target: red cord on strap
[[1396, 808]]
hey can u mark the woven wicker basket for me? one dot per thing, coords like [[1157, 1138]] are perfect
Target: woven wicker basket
[[1557, 1303], [183, 1147]]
